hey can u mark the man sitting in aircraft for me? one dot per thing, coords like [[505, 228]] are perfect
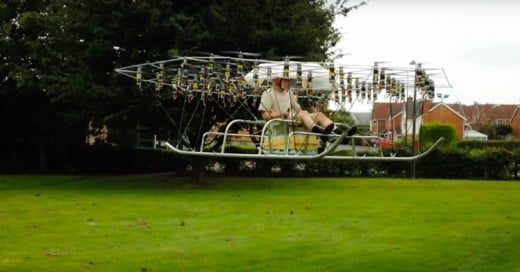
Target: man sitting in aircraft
[[279, 102]]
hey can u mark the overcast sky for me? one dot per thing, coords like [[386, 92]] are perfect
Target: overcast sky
[[477, 42]]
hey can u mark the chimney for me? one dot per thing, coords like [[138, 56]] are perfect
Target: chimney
[[427, 105]]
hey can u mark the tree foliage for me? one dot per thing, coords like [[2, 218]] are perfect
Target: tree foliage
[[496, 132], [58, 56]]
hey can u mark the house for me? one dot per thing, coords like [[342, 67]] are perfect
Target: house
[[361, 118], [496, 114], [515, 122], [397, 117], [443, 113], [470, 112], [387, 120], [474, 135]]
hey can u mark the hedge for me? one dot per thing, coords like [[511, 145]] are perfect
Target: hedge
[[490, 162]]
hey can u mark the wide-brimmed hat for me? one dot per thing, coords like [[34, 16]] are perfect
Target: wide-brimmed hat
[[278, 80]]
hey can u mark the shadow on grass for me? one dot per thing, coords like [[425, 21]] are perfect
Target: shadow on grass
[[158, 182]]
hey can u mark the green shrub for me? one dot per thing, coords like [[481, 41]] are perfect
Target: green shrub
[[431, 132], [476, 165], [515, 165], [496, 163], [509, 145], [445, 163]]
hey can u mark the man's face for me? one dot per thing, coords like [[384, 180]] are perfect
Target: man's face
[[285, 84]]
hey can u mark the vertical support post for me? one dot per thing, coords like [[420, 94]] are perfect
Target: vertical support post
[[414, 113]]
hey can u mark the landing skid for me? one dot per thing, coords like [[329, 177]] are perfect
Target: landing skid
[[294, 145]]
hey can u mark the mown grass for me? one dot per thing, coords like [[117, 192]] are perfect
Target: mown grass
[[149, 223]]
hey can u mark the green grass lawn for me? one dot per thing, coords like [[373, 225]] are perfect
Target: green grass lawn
[[149, 223]]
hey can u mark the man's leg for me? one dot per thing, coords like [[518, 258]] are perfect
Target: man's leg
[[329, 126], [321, 119], [306, 118], [324, 121], [351, 131], [310, 122]]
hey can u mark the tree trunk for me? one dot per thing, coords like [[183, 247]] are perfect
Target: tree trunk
[[42, 158], [198, 170]]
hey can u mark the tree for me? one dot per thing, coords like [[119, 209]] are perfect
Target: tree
[[496, 132], [29, 52], [59, 56], [341, 117]]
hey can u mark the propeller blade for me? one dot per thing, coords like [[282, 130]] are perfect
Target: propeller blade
[[231, 52]]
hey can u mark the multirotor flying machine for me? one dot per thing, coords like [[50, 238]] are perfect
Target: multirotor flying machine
[[217, 97]]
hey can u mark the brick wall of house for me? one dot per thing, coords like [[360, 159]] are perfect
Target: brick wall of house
[[456, 114], [442, 114], [515, 123]]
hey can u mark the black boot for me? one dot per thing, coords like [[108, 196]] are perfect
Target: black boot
[[351, 131], [316, 129], [328, 129], [319, 130]]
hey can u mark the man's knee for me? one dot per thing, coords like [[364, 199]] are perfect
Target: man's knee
[[323, 116], [302, 114], [319, 115]]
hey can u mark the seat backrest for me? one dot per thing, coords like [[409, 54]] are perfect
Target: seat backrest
[[281, 137]]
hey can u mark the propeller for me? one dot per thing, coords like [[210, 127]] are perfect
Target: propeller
[[205, 53], [240, 53], [292, 57]]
